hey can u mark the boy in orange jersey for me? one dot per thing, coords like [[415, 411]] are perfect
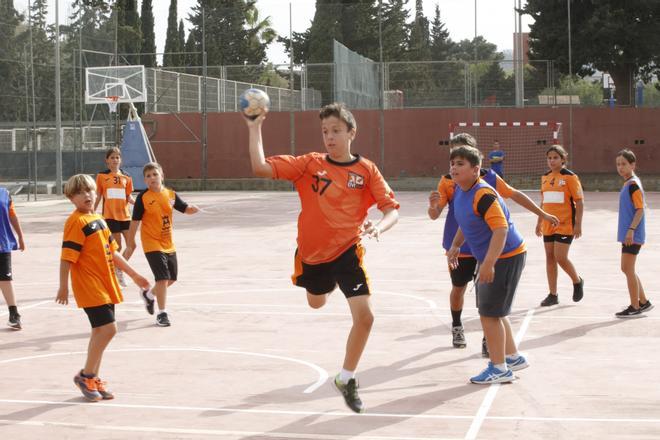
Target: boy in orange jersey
[[561, 195], [90, 254], [115, 188], [336, 190], [154, 208]]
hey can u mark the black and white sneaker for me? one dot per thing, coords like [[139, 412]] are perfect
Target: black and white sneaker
[[578, 290], [550, 300], [349, 391], [484, 348], [14, 321], [162, 320], [645, 307], [629, 312], [148, 303], [458, 337]]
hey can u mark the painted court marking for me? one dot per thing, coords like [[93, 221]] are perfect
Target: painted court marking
[[494, 388], [323, 375], [30, 306]]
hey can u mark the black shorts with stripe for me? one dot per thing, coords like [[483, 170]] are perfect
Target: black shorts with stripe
[[464, 273], [164, 266], [564, 239], [347, 271], [5, 266], [117, 225]]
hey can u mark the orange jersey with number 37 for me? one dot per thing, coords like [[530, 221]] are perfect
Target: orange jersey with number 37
[[335, 198]]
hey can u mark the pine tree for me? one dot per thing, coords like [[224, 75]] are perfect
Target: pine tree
[[170, 58], [129, 37], [395, 30], [419, 45], [11, 64], [325, 27], [441, 44], [148, 46], [359, 27], [182, 44]]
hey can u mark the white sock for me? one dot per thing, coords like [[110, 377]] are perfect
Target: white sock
[[515, 355], [501, 367], [345, 375], [150, 294], [161, 311]]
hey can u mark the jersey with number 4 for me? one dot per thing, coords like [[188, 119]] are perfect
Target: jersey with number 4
[[335, 198]]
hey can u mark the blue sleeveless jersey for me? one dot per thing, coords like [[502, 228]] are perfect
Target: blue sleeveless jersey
[[475, 229], [451, 226], [627, 211], [7, 240]]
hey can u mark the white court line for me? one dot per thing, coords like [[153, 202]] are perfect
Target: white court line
[[103, 406], [208, 432], [323, 375], [30, 306], [494, 388]]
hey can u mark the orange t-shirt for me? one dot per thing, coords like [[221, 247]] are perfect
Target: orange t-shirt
[[88, 246], [559, 191], [154, 209], [115, 188], [335, 198]]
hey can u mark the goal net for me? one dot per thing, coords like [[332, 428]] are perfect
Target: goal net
[[523, 143]]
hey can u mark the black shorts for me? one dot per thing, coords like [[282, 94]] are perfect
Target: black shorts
[[464, 273], [559, 238], [163, 266], [5, 266], [100, 315], [346, 270], [117, 225], [631, 249], [496, 299]]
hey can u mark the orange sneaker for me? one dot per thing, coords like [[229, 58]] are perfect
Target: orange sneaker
[[103, 391], [88, 387]]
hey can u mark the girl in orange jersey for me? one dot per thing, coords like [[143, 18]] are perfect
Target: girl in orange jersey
[[336, 189], [561, 195], [115, 188]]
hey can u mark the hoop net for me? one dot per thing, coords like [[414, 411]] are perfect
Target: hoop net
[[112, 102]]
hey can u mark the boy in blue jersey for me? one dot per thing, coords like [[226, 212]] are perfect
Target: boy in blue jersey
[[631, 232], [8, 243], [464, 272], [485, 225]]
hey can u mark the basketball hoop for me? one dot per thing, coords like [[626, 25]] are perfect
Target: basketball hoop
[[112, 102]]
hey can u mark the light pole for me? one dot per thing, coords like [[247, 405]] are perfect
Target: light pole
[[570, 82], [58, 106]]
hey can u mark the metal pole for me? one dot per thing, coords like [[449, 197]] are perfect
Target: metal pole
[[32, 147], [475, 116], [382, 87], [292, 118], [570, 84], [204, 105], [27, 114], [58, 105], [521, 57]]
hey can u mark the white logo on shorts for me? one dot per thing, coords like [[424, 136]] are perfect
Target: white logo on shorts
[[9, 274], [357, 287], [564, 238]]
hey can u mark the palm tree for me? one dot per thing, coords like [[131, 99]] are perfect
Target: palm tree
[[260, 33]]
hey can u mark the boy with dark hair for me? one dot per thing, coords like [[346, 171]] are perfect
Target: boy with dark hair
[[336, 190], [8, 243], [154, 207], [484, 223]]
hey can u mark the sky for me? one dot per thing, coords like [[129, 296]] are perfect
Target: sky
[[495, 18]]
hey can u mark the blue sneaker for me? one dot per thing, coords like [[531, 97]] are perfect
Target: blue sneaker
[[517, 363], [493, 375]]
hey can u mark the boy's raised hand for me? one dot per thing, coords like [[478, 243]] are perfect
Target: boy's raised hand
[[256, 122]]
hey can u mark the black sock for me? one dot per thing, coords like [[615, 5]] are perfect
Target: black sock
[[456, 318], [88, 376], [13, 310]]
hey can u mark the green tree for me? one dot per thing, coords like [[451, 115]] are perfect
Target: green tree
[[11, 64], [441, 45], [148, 45], [420, 39], [260, 34], [395, 30], [182, 44], [129, 36], [614, 36], [324, 28], [171, 57]]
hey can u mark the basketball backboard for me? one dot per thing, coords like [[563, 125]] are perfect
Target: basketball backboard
[[127, 83]]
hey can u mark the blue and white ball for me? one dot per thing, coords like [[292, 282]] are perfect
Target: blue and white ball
[[254, 102]]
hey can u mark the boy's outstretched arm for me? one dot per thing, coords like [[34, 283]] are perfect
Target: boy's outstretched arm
[[19, 232], [373, 230], [260, 167], [523, 200], [123, 265], [130, 239]]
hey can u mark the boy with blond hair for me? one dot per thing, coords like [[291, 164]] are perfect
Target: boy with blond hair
[[154, 207], [89, 254]]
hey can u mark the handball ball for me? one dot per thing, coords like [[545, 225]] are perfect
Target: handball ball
[[254, 102]]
